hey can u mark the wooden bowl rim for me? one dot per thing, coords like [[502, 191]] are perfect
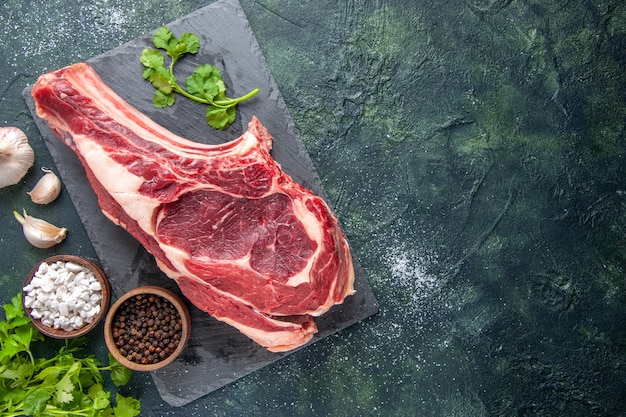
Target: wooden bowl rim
[[104, 303], [182, 309]]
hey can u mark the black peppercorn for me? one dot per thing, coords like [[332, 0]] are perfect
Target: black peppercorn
[[147, 329]]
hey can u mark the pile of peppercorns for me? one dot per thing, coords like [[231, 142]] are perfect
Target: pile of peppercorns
[[147, 328]]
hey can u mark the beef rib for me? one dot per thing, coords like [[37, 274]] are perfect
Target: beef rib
[[243, 241]]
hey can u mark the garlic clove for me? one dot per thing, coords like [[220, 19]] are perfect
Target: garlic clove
[[16, 155], [47, 189], [40, 233]]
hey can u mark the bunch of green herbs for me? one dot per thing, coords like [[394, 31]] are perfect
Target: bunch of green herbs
[[204, 85], [65, 384]]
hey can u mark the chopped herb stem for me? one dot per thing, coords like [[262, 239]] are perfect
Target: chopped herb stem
[[237, 100], [204, 86]]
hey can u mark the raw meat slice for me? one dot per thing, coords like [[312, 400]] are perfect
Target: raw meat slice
[[244, 242]]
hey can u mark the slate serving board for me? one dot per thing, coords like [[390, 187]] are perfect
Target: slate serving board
[[216, 354]]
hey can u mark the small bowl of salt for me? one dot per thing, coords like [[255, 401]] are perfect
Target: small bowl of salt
[[66, 296]]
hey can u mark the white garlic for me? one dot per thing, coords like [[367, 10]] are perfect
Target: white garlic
[[47, 189], [16, 155], [40, 233]]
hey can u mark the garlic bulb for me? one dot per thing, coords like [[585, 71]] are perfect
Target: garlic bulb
[[47, 189], [40, 233], [16, 155]]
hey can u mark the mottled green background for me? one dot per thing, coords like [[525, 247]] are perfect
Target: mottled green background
[[474, 152]]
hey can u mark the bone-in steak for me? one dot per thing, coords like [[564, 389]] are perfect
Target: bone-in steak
[[244, 242]]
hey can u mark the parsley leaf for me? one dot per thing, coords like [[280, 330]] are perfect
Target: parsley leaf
[[36, 401], [204, 85], [64, 388], [220, 116], [120, 375], [14, 310], [101, 400], [126, 406], [64, 384], [175, 48]]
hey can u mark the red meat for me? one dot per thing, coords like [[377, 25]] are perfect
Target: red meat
[[244, 242]]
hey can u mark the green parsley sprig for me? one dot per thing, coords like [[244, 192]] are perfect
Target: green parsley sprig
[[65, 384], [204, 85]]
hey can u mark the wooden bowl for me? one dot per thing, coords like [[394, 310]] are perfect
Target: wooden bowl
[[137, 329], [86, 264]]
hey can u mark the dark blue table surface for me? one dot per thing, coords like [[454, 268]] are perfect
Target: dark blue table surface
[[474, 152]]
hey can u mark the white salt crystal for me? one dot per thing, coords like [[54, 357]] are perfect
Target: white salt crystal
[[64, 295], [73, 267]]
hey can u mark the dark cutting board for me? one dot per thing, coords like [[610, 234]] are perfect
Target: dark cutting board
[[217, 354]]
